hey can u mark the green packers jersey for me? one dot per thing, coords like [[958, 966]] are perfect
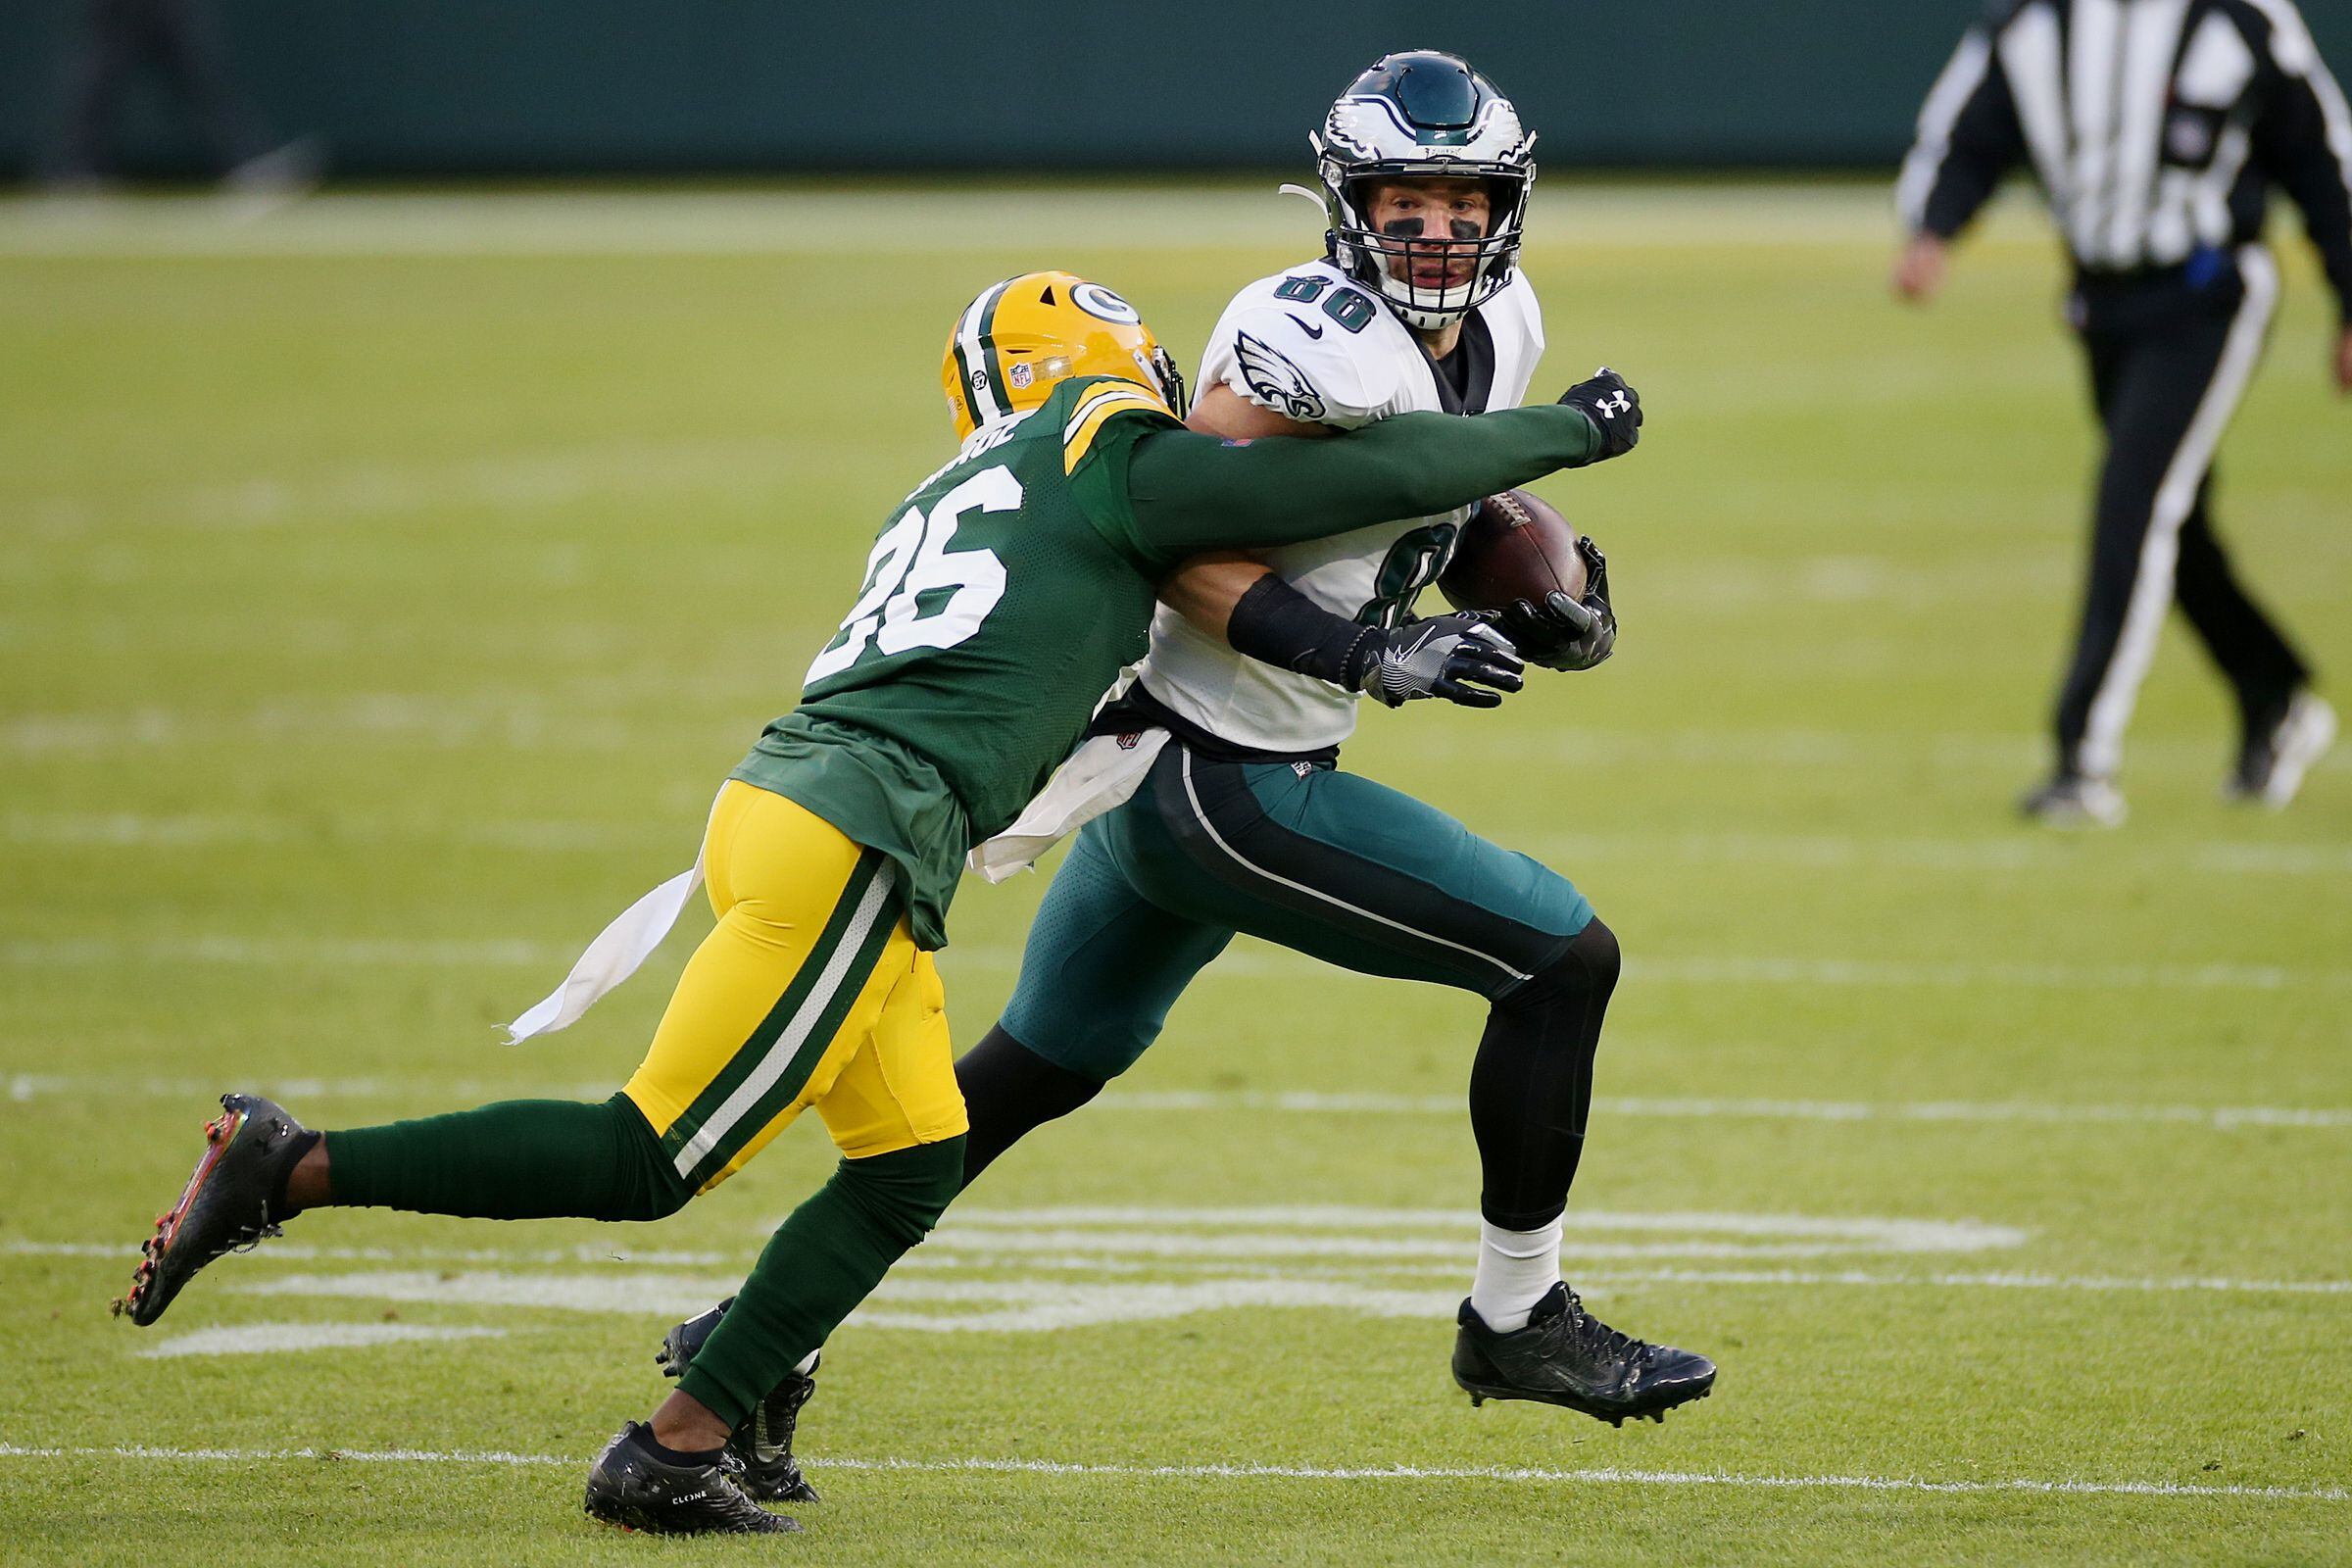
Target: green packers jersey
[[1009, 590], [998, 605]]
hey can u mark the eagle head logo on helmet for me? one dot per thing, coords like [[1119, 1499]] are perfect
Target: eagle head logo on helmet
[[1422, 115]]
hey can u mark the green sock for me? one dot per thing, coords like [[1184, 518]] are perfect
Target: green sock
[[517, 1159], [823, 1261]]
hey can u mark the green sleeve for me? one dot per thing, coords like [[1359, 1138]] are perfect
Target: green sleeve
[[1098, 475], [1189, 492]]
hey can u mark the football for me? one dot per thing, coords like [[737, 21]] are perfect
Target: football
[[1514, 546]]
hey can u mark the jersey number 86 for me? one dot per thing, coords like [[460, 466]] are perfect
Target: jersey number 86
[[912, 563]]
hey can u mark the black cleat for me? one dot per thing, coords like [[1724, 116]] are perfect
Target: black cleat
[[632, 1489], [763, 1443], [226, 1206], [1567, 1356]]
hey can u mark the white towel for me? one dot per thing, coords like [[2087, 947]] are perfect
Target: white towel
[[614, 956], [1100, 774]]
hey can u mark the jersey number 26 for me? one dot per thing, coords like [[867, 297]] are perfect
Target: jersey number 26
[[919, 593]]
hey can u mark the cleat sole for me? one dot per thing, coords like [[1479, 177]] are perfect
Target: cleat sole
[[1481, 1393]]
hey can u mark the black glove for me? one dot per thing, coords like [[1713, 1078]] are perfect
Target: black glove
[[1613, 407], [1440, 657], [1564, 633]]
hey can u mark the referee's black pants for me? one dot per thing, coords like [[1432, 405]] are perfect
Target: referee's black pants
[[2168, 361]]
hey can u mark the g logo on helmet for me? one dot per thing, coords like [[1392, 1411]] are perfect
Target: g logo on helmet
[[1099, 302]]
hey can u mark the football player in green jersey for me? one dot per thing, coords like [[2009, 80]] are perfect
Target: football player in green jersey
[[997, 605]]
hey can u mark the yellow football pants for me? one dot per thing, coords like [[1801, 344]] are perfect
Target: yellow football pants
[[809, 992]]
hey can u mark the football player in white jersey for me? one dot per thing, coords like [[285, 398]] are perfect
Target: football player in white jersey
[[1209, 795]]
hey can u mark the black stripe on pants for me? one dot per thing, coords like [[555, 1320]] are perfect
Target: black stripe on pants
[[2167, 367]]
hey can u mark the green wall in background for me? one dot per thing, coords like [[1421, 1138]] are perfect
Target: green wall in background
[[526, 87]]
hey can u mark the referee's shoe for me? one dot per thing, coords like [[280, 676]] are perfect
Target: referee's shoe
[[2280, 747], [2075, 799]]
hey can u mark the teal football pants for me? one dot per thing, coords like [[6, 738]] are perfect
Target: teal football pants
[[1329, 864]]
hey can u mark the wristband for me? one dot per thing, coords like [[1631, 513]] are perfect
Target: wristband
[[1277, 624]]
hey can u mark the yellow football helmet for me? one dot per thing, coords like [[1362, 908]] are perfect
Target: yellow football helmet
[[1015, 342]]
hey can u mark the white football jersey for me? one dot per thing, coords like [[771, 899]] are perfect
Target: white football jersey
[[1313, 345]]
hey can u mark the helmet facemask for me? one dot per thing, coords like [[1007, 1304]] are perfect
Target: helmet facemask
[[1429, 279], [1172, 390]]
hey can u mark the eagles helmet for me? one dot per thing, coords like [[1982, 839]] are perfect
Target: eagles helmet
[[1427, 114], [1016, 341]]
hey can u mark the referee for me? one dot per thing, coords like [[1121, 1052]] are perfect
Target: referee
[[2156, 128]]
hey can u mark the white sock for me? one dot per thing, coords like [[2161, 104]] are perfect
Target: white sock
[[807, 1363], [1516, 1269]]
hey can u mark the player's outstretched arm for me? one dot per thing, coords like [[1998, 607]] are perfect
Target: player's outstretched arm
[[1192, 492], [1205, 589]]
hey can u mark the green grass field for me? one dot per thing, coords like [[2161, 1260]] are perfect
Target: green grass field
[[386, 585]]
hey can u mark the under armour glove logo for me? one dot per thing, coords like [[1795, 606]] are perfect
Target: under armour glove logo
[[1614, 409]]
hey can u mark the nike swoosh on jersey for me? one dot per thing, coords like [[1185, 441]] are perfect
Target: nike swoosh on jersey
[[1306, 326]]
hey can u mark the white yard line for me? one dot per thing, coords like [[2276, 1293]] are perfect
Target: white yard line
[[363, 952], [512, 719], [1807, 851], [1246, 1471], [518, 718], [278, 1339], [1314, 1102], [1259, 962], [1248, 963], [1971, 1282], [637, 1285], [2036, 976], [24, 1086], [1286, 1246], [142, 831], [373, 493], [2037, 852], [1023, 1305], [1886, 1234], [304, 1252], [29, 1086], [1813, 749]]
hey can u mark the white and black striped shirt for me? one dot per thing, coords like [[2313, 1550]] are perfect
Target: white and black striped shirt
[[2155, 126]]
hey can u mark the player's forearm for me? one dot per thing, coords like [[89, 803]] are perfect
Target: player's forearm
[[1193, 493], [1276, 624], [1206, 589]]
